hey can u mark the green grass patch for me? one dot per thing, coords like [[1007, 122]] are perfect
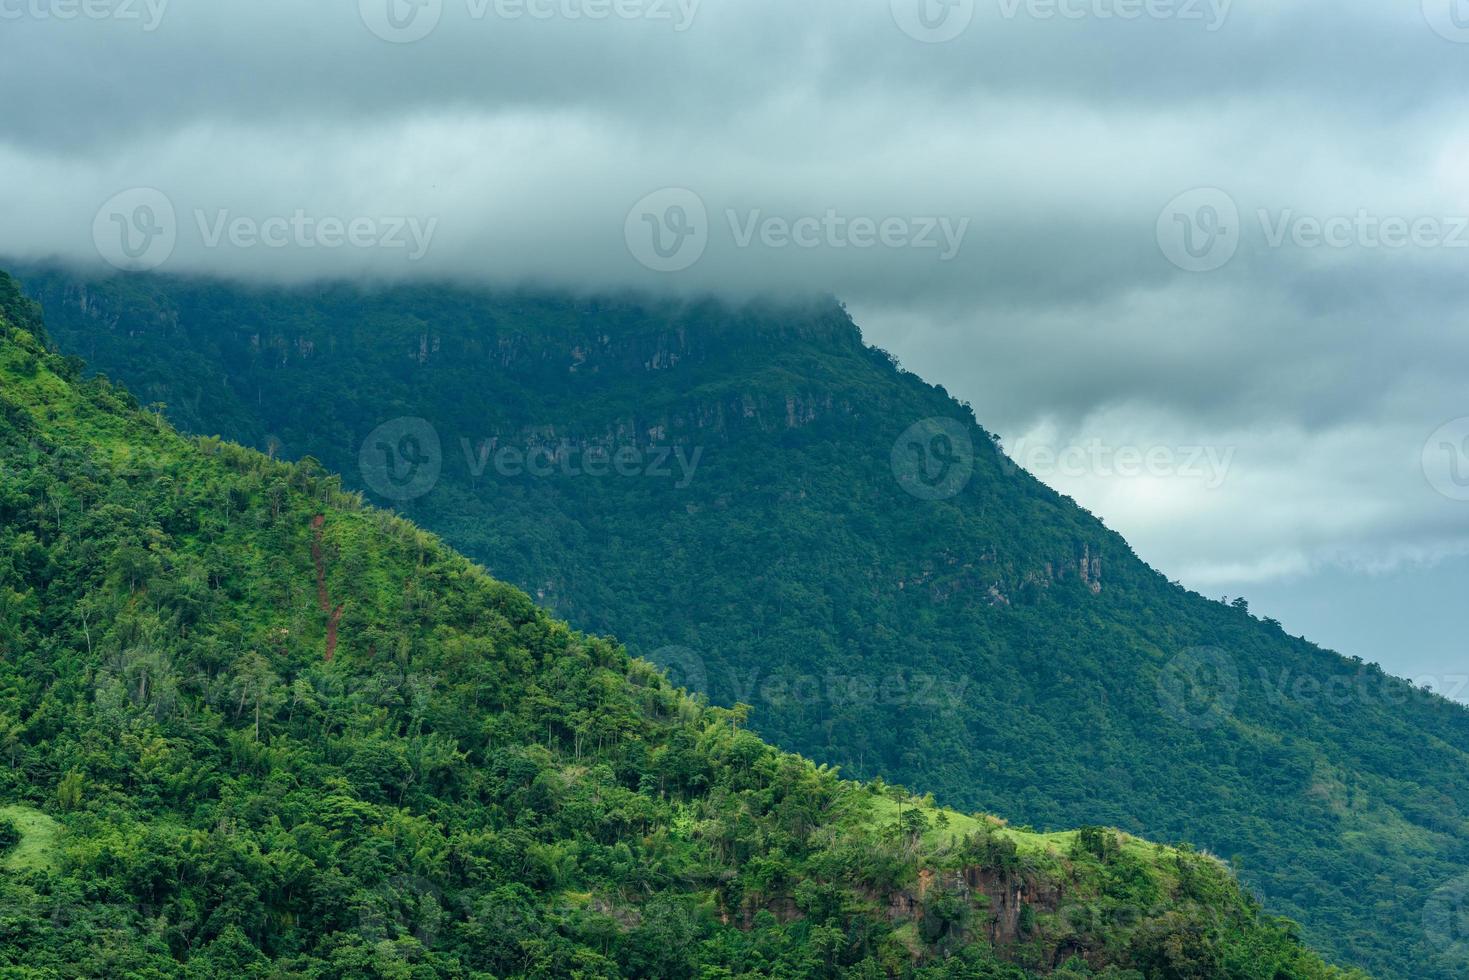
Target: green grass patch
[[1048, 847], [37, 850], [957, 826]]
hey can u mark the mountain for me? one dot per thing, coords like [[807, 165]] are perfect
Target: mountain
[[778, 514], [255, 728]]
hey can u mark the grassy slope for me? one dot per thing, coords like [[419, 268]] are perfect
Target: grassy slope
[[39, 832]]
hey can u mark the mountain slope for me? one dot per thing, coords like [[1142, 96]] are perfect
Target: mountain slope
[[256, 729], [892, 600]]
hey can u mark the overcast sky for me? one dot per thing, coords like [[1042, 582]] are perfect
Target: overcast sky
[[1229, 240]]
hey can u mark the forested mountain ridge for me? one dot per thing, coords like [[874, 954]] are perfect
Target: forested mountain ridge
[[254, 728], [957, 626]]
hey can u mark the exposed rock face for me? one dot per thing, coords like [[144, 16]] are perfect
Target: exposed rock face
[[1090, 569], [1007, 895], [997, 897], [783, 908]]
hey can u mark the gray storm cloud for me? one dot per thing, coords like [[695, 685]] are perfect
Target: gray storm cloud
[[1000, 208]]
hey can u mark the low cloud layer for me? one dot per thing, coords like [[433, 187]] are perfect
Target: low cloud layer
[[1238, 228]]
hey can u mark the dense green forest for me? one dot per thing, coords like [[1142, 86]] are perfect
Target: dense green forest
[[964, 629], [254, 728]]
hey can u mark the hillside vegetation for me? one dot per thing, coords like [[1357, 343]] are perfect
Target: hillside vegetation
[[199, 783], [959, 627]]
